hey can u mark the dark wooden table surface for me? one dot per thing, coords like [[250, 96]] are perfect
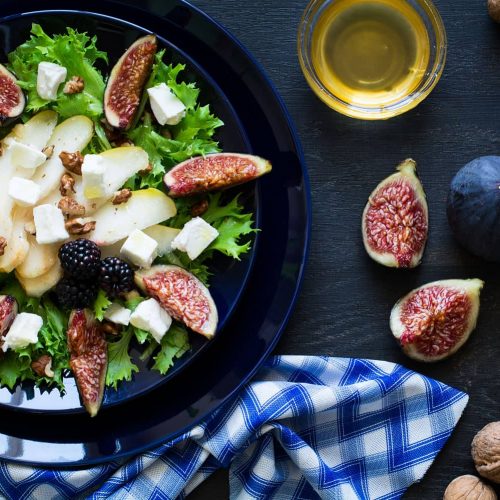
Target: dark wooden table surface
[[346, 299]]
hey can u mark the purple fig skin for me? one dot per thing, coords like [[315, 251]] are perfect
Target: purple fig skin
[[12, 100], [8, 312], [212, 172], [171, 285], [88, 358], [126, 82]]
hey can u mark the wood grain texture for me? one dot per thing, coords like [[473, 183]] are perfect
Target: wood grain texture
[[346, 298]]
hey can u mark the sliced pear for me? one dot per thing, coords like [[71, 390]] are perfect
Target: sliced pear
[[163, 235], [71, 135], [17, 245], [40, 259], [121, 164], [36, 132], [144, 209], [36, 287]]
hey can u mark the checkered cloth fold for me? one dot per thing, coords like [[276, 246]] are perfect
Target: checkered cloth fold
[[304, 428]]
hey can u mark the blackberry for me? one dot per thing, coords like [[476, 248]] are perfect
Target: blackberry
[[80, 258], [116, 276], [75, 293]]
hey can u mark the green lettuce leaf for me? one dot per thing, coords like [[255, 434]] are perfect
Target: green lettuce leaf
[[101, 304], [173, 345], [78, 53], [120, 365]]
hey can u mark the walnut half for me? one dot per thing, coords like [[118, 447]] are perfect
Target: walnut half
[[72, 161], [43, 366], [121, 196], [80, 226], [70, 207], [74, 86], [67, 185]]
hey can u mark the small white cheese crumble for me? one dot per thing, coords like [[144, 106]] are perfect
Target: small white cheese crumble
[[23, 331], [151, 317], [167, 107], [49, 77], [139, 249], [118, 314], [196, 236], [49, 224], [24, 192], [93, 177], [25, 156]]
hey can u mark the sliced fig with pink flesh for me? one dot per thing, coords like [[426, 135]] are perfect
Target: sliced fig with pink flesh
[[396, 219], [126, 82], [12, 100], [434, 321], [182, 295], [88, 358], [215, 171], [8, 312]]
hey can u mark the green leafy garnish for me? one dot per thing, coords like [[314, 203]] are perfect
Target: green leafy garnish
[[173, 345], [78, 53], [101, 304], [120, 365]]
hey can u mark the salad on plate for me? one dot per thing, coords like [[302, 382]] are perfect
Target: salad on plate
[[112, 205]]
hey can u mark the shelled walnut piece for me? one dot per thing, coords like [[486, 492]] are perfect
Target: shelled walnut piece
[[486, 451], [469, 487], [72, 161]]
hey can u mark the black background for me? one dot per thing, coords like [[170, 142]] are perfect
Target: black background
[[346, 299]]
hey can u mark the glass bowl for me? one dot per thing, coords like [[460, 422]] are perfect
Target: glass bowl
[[436, 32]]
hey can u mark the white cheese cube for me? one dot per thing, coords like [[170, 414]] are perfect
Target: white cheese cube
[[118, 314], [23, 331], [139, 249], [25, 156], [24, 192], [49, 77], [194, 237], [167, 107], [49, 224], [151, 317], [93, 176]]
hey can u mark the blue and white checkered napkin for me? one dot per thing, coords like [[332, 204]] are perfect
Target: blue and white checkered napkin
[[305, 428]]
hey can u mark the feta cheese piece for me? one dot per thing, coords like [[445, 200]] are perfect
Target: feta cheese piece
[[49, 77], [151, 317], [23, 331], [24, 156], [195, 236], [118, 314], [139, 249], [49, 224], [24, 192], [93, 177], [167, 107]]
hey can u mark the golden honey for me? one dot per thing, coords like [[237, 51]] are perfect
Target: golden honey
[[370, 53]]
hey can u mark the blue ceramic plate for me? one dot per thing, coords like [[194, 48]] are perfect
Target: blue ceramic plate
[[254, 310]]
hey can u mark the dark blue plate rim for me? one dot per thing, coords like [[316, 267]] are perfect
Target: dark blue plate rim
[[305, 232]]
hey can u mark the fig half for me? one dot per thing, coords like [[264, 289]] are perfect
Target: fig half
[[215, 171], [12, 100], [126, 82], [396, 219], [8, 312], [434, 321], [182, 295], [88, 358]]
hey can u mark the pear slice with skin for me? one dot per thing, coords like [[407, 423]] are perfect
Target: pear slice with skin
[[17, 246], [71, 135], [40, 259], [36, 287], [121, 164], [144, 208]]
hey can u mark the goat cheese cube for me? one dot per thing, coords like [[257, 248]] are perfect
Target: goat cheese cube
[[139, 249], [151, 317], [49, 224], [24, 192], [49, 77], [23, 331], [93, 177], [118, 314], [167, 107], [194, 237], [24, 156]]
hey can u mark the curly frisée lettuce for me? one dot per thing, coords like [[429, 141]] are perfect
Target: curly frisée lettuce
[[78, 53]]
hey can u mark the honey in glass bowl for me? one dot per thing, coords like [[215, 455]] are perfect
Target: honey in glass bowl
[[372, 58]]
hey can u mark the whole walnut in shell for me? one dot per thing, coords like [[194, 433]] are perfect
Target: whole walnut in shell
[[494, 10], [469, 487], [486, 451]]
